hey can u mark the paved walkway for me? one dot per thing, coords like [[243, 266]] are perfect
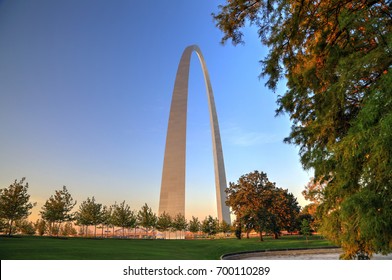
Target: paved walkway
[[312, 254]]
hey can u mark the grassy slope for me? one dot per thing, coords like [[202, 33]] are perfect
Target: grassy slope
[[46, 248]]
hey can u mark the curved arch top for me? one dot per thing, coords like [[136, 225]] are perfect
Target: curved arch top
[[172, 197]]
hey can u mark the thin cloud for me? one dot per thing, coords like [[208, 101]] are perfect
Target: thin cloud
[[237, 136]]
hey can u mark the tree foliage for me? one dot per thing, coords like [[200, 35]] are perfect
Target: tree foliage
[[305, 229], [68, 229], [259, 205], [164, 222], [194, 225], [123, 216], [40, 227], [90, 213], [25, 227], [57, 209], [313, 192], [336, 57], [179, 223], [210, 226], [224, 227], [107, 217], [146, 218], [15, 203]]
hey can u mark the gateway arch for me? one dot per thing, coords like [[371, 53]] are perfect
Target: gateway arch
[[172, 197]]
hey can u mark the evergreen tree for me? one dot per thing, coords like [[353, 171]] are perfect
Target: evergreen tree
[[25, 227], [180, 223], [194, 225], [40, 227], [146, 218], [164, 222], [305, 229], [210, 226], [57, 209], [90, 213], [123, 216], [107, 218], [224, 227], [14, 203]]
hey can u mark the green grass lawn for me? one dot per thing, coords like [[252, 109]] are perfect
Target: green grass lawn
[[47, 248]]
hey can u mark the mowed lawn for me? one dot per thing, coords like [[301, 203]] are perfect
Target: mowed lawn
[[50, 248]]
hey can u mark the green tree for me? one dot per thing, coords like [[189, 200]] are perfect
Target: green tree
[[288, 210], [68, 229], [305, 229], [146, 218], [336, 57], [210, 226], [25, 227], [194, 225], [57, 209], [90, 213], [123, 216], [164, 222], [107, 218], [82, 216], [40, 227], [304, 215], [14, 203], [224, 227], [96, 215], [180, 223]]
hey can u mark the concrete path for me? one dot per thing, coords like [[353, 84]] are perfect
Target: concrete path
[[313, 254]]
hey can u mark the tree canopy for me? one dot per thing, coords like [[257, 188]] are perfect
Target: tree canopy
[[123, 216], [15, 203], [259, 205], [90, 213], [336, 57], [164, 222], [194, 225], [146, 217], [57, 209], [210, 225]]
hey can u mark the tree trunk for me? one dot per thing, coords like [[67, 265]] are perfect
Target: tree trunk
[[10, 230], [276, 235], [95, 231], [58, 229], [261, 236]]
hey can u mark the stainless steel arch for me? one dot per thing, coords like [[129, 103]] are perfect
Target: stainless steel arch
[[172, 197]]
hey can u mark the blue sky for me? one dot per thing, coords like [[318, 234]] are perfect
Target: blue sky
[[85, 92]]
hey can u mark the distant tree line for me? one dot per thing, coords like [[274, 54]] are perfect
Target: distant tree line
[[257, 203]]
